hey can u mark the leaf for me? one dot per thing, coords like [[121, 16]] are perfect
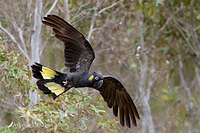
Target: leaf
[[2, 58], [159, 2], [165, 91], [165, 98]]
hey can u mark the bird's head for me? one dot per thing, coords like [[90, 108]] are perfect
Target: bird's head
[[96, 80]]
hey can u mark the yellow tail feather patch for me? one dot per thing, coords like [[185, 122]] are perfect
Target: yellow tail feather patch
[[55, 88], [48, 73]]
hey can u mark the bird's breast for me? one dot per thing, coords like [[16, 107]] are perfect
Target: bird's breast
[[77, 80]]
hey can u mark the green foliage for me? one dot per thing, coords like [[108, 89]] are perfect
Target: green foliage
[[69, 113], [73, 112], [8, 129], [15, 75], [14, 85]]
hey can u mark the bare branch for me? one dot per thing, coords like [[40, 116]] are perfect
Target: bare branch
[[96, 13], [52, 7], [195, 50], [22, 39], [92, 22], [79, 14], [66, 4], [144, 67], [35, 43], [193, 32], [14, 40], [108, 7], [188, 90], [103, 26], [44, 44]]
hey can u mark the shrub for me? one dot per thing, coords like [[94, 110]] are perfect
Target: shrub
[[76, 111]]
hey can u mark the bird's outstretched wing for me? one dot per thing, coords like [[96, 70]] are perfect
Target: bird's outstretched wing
[[116, 96], [78, 52]]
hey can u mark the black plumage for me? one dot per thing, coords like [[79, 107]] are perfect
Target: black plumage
[[79, 55]]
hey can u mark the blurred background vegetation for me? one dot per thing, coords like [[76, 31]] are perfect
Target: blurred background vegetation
[[152, 47]]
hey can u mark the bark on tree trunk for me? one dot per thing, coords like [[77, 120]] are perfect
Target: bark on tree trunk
[[35, 43]]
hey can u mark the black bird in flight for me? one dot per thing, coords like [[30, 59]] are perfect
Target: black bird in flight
[[79, 55]]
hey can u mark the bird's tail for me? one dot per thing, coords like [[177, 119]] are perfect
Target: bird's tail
[[50, 81]]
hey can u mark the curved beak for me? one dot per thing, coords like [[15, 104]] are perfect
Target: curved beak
[[98, 84]]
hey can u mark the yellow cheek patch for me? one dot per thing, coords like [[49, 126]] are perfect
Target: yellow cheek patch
[[91, 77], [48, 73], [55, 88]]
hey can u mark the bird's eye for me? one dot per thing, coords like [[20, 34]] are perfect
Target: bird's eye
[[96, 78]]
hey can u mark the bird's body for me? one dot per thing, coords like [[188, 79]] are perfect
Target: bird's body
[[79, 55]]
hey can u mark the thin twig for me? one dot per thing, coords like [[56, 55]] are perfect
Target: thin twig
[[193, 32], [108, 7], [52, 7], [188, 90], [92, 22], [14, 40], [186, 39], [22, 39], [66, 4], [79, 14], [45, 43]]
